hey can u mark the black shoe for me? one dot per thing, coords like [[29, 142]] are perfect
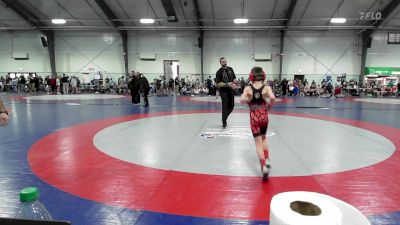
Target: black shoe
[[146, 105], [224, 124], [265, 171], [268, 163]]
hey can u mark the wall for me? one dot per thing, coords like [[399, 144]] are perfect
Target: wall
[[239, 49], [167, 46], [381, 54], [89, 52], [317, 54], [23, 42], [314, 54]]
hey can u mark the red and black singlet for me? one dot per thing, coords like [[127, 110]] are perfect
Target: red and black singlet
[[258, 112]]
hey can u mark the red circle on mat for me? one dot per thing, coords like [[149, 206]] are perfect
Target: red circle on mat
[[68, 160]]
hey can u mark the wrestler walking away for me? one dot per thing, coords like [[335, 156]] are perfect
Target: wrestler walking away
[[256, 95]]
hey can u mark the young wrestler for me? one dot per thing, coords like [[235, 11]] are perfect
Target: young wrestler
[[255, 95]]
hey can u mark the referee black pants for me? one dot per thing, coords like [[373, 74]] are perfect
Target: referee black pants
[[228, 103], [135, 96], [145, 95]]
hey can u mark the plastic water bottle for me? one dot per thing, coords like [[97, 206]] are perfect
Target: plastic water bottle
[[30, 207]]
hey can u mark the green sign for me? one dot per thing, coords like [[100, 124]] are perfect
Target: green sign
[[387, 71]]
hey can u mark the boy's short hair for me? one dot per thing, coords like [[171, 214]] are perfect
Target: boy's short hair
[[257, 71]]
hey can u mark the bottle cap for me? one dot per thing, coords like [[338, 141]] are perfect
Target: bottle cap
[[28, 194]]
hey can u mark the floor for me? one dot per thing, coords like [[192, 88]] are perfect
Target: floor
[[97, 159]]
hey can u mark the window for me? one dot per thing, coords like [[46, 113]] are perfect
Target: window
[[393, 38]]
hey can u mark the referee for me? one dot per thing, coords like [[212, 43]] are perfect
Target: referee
[[226, 79]]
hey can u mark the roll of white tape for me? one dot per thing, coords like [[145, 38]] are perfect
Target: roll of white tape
[[351, 215], [304, 208]]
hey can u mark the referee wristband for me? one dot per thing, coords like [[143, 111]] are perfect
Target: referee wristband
[[6, 112]]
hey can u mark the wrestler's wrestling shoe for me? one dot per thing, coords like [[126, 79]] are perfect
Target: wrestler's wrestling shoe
[[268, 164], [265, 172], [266, 169]]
